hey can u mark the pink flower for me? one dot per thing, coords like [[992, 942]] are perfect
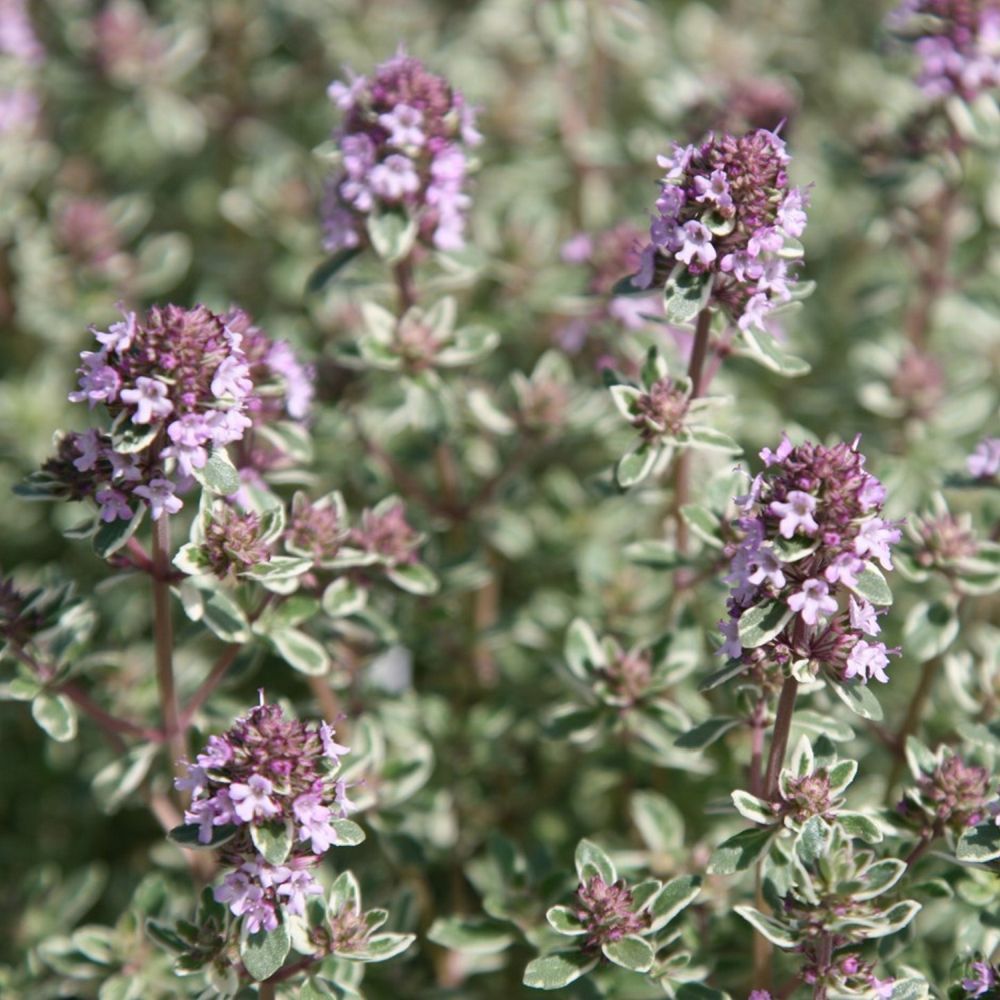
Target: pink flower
[[813, 602], [252, 800], [149, 397], [796, 513], [867, 660]]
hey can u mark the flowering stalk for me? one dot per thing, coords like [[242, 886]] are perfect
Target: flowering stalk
[[163, 638]]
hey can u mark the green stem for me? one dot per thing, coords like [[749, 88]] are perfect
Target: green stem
[[163, 634], [779, 741], [914, 711], [682, 468]]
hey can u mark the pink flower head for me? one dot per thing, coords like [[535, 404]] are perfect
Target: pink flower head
[[868, 660]]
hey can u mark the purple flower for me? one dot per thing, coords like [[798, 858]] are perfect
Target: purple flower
[[984, 462], [331, 747], [401, 109], [731, 648], [403, 124], [113, 505], [252, 800], [120, 335], [844, 569], [863, 617], [813, 601], [296, 888], [868, 660], [796, 513], [314, 822], [696, 242], [160, 496], [874, 539], [149, 397], [985, 978]]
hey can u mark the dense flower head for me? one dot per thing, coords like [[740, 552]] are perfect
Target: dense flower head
[[727, 211], [17, 36], [957, 43], [268, 771], [388, 535], [315, 529], [179, 381], [403, 145], [661, 410], [806, 796], [607, 912], [953, 796], [811, 527], [233, 543], [628, 676], [942, 540], [86, 228]]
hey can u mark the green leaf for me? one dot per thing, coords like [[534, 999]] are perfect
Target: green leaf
[[685, 295], [166, 937], [812, 841], [706, 733], [894, 919], [658, 820], [113, 535], [766, 351], [713, 440], [739, 852], [634, 466], [344, 597], [279, 568], [414, 578], [591, 860], [754, 809], [381, 947], [392, 235], [264, 953], [677, 894], [329, 268], [555, 971], [858, 825], [471, 935], [274, 840], [187, 836], [625, 397], [56, 714], [859, 699], [584, 654], [133, 438], [630, 952], [871, 585], [224, 617], [776, 933], [219, 476], [931, 627], [300, 651], [979, 844], [762, 622], [815, 724], [880, 878], [564, 921], [471, 344], [704, 523], [349, 834]]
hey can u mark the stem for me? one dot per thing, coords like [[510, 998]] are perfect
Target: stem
[[914, 711], [266, 990], [757, 726], [209, 684], [328, 702], [926, 839], [825, 958], [779, 742], [682, 469], [163, 633], [402, 273], [763, 950]]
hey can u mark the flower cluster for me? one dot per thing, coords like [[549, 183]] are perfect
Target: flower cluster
[[953, 795], [270, 784], [317, 529], [607, 912], [403, 145], [811, 529], [957, 42], [176, 385], [233, 542], [727, 214], [386, 534]]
